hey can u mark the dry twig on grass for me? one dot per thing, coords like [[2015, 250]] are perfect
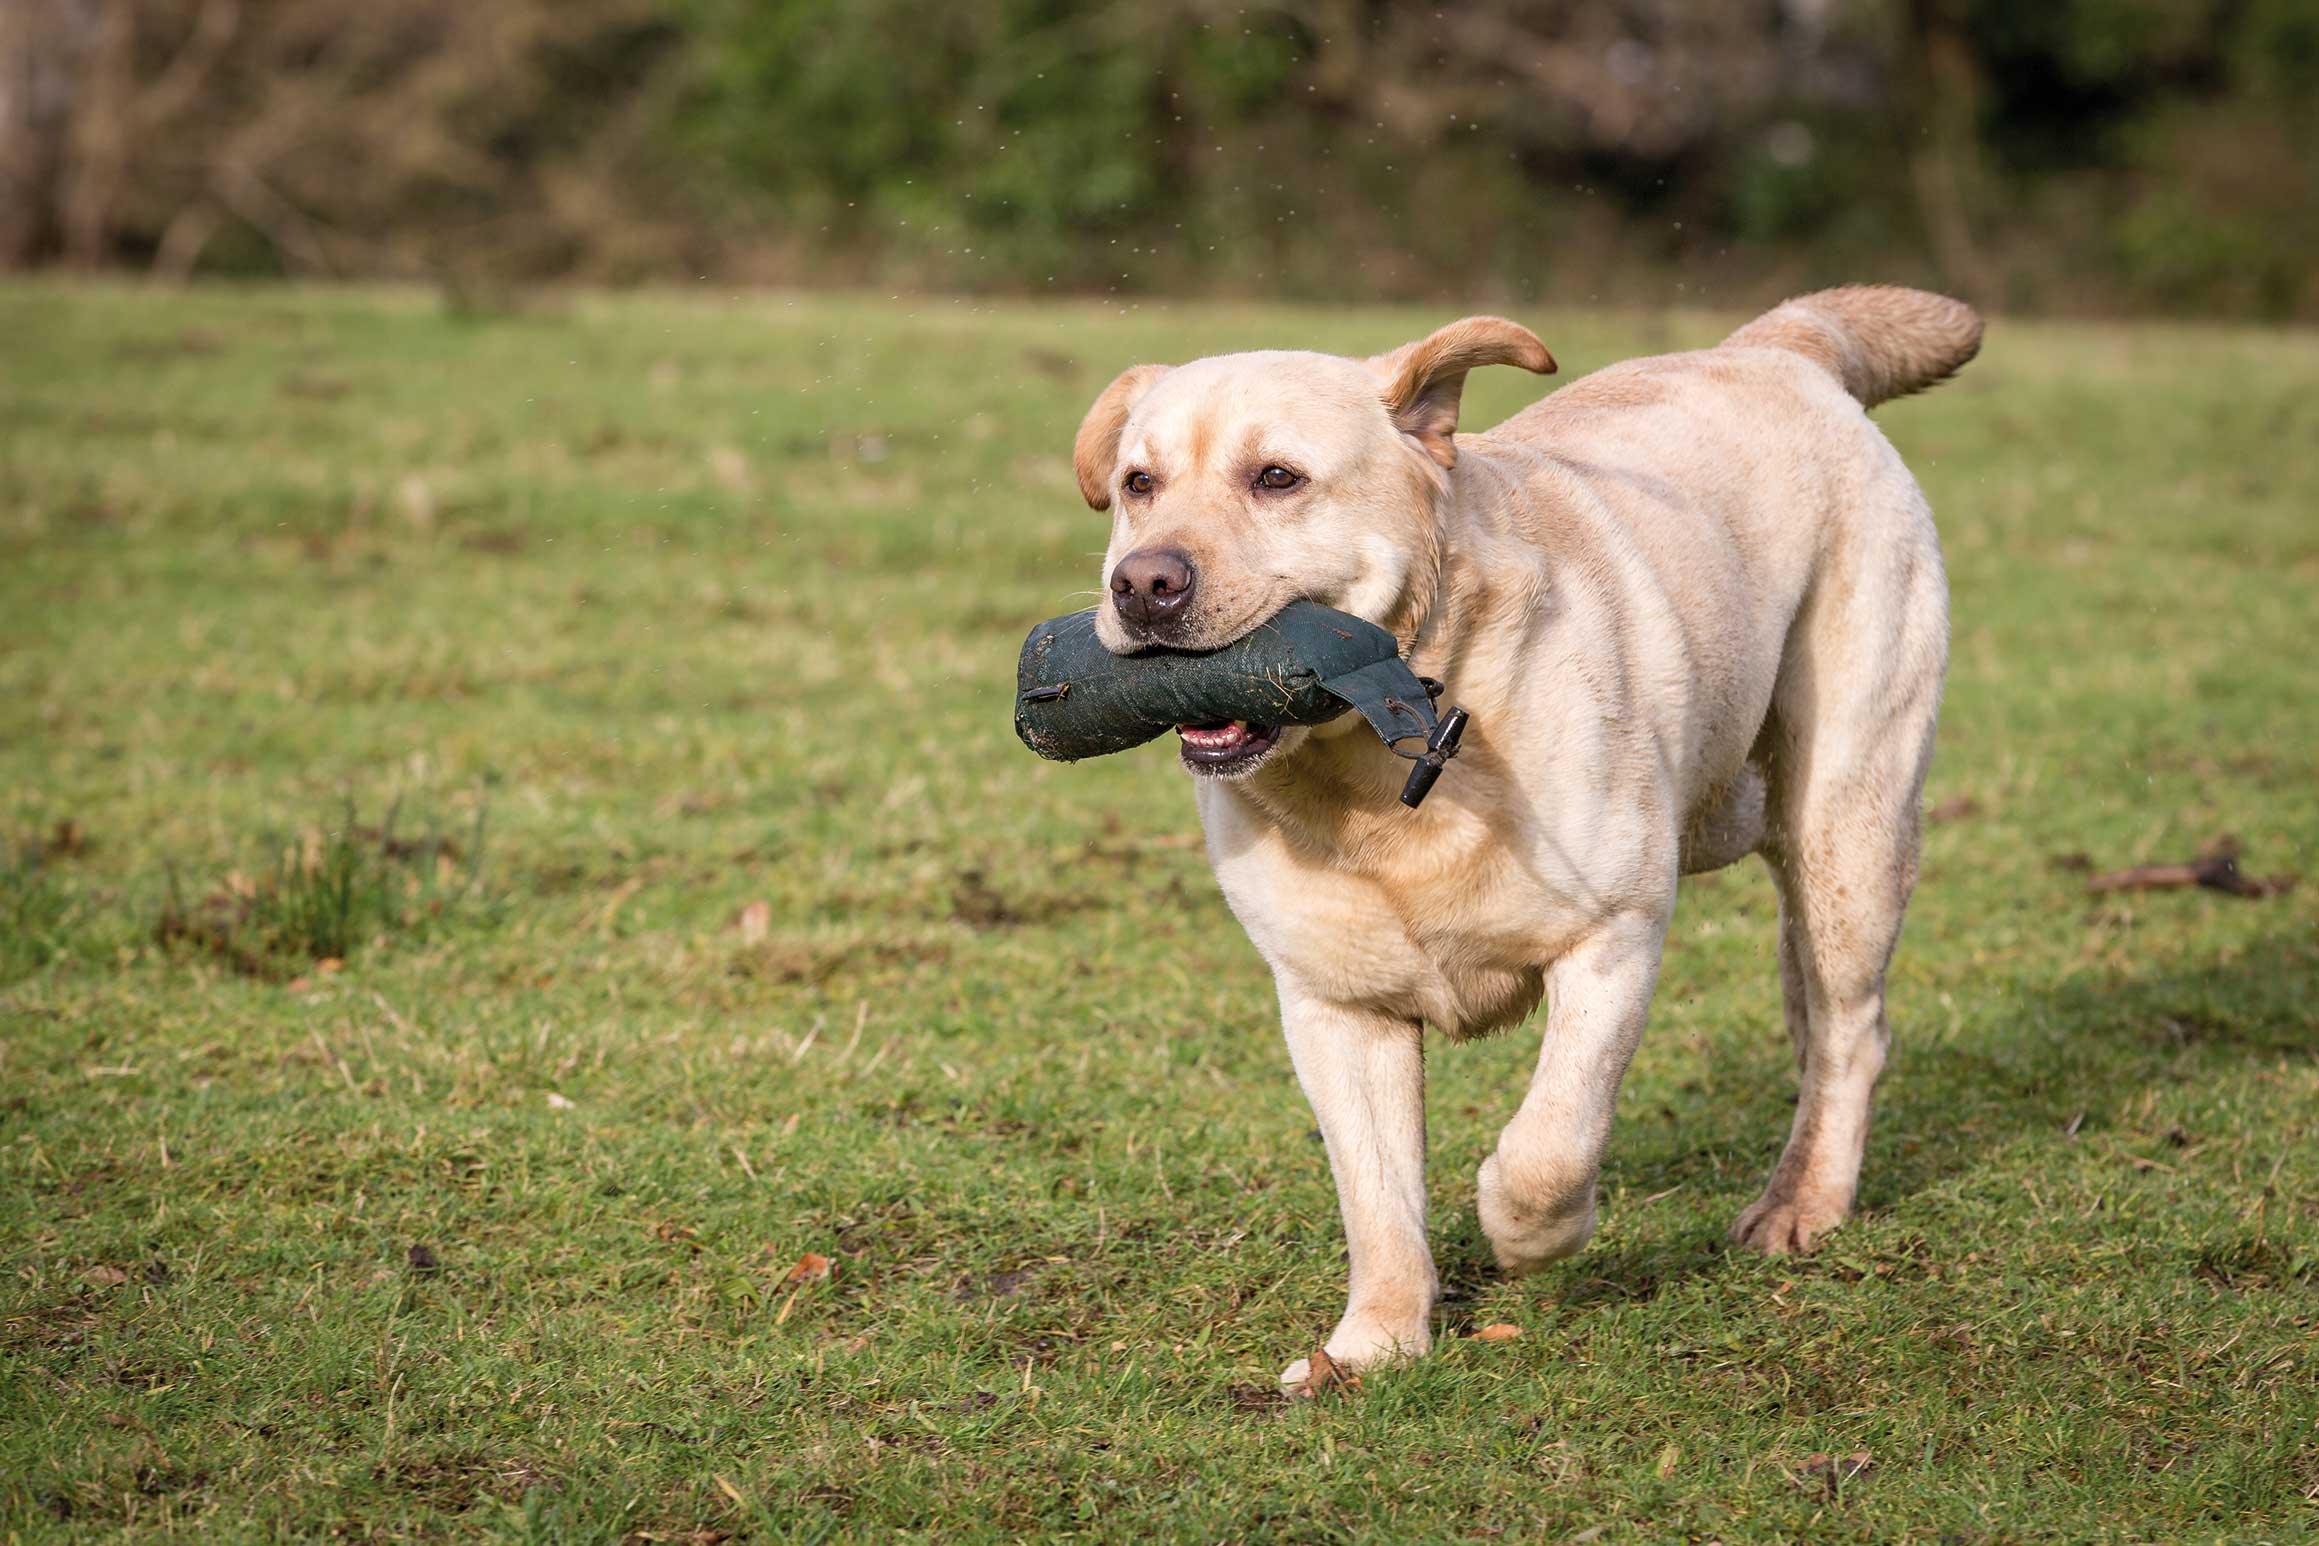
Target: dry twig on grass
[[2216, 870]]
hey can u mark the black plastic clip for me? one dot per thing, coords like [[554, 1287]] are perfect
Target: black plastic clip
[[1439, 748]]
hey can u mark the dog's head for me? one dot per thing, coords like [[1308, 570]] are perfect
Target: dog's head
[[1241, 483]]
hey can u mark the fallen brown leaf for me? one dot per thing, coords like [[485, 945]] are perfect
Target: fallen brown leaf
[[1498, 1331], [1324, 1373], [65, 840], [755, 922], [108, 1276], [812, 1267], [1668, 1459]]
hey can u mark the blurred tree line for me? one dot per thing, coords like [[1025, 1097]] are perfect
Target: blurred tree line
[[2065, 154]]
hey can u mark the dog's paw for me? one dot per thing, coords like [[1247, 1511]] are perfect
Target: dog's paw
[[1529, 1233], [1780, 1225], [1356, 1346]]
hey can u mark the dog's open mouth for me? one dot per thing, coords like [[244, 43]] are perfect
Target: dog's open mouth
[[1226, 746]]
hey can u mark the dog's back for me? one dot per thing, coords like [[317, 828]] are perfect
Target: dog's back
[[1703, 499], [1876, 342], [1754, 460]]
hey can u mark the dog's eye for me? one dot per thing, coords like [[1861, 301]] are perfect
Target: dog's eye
[[1277, 478], [1139, 483]]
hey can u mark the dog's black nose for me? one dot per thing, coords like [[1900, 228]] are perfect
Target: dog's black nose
[[1152, 586]]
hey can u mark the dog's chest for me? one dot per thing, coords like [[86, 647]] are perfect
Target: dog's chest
[[1440, 921], [1483, 929]]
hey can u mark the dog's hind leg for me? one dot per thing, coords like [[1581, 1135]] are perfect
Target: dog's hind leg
[[1846, 752], [1537, 1197]]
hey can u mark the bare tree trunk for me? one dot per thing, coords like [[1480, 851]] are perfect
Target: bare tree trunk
[[183, 239], [42, 47], [1946, 167], [99, 145]]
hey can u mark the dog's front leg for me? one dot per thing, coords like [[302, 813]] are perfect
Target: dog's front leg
[[1537, 1197], [1365, 1076]]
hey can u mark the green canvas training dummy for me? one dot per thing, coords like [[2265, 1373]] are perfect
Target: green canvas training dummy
[[1306, 666]]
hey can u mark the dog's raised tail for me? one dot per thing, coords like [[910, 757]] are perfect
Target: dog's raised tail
[[1881, 341]]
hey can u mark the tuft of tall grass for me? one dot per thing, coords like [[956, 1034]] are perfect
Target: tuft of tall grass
[[36, 913], [322, 896]]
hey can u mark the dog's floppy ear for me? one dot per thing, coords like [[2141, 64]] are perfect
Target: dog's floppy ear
[[1096, 453], [1424, 380]]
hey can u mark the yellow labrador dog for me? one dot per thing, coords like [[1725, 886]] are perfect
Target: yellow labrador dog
[[1696, 608]]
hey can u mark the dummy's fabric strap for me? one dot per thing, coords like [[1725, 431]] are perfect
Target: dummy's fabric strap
[[1398, 704], [1390, 697]]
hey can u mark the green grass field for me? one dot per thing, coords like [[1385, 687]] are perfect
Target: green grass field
[[635, 613]]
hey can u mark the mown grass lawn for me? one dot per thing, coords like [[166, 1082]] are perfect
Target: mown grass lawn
[[639, 612]]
